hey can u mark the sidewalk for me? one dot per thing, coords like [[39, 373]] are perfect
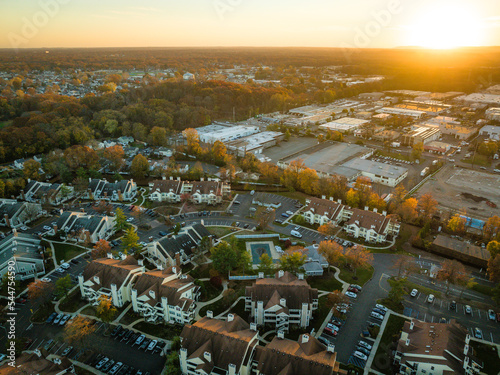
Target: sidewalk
[[199, 305]]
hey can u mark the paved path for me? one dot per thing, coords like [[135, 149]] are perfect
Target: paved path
[[199, 305], [230, 307], [262, 338], [117, 320]]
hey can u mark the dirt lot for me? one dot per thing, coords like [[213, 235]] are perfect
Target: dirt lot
[[457, 188]]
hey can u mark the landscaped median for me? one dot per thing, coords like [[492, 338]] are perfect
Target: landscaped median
[[66, 251]]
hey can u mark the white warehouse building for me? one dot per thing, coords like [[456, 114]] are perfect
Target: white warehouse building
[[210, 134]]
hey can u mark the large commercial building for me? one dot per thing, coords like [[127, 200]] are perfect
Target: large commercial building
[[385, 174], [490, 131], [344, 124], [481, 98], [211, 133], [493, 114], [461, 250], [402, 112], [255, 143], [422, 134]]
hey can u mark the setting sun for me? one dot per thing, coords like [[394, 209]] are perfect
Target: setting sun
[[445, 26]]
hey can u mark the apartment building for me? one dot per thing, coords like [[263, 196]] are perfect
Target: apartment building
[[14, 214], [211, 191], [124, 190], [435, 348], [165, 296], [44, 192], [370, 225], [281, 301], [323, 211], [223, 347], [82, 227], [111, 278]]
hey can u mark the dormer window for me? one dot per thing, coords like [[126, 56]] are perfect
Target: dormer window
[[152, 294], [96, 280]]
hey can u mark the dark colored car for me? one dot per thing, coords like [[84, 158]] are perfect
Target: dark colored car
[[163, 233], [116, 330], [51, 318]]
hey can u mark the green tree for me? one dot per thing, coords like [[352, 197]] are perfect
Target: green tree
[[416, 152], [105, 310], [224, 257], [120, 220], [293, 262], [140, 166], [332, 252], [287, 135], [453, 272], [397, 292], [266, 265], [64, 285], [172, 364], [130, 240], [494, 248], [32, 169]]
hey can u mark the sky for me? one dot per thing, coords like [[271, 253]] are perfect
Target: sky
[[311, 23]]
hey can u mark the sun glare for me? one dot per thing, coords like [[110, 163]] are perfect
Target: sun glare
[[446, 26]]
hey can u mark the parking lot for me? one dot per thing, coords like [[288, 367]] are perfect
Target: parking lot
[[432, 312], [101, 346]]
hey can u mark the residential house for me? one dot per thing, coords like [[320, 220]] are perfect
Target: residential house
[[211, 191], [435, 348], [281, 301], [45, 192], [323, 211], [80, 226], [124, 190], [124, 140], [165, 296], [188, 76], [370, 225], [165, 190], [14, 214], [223, 347], [25, 253], [19, 163], [177, 249], [38, 362], [305, 356], [111, 278]]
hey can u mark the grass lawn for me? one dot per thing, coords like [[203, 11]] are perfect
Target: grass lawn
[[326, 282], [320, 314], [411, 285], [383, 358], [65, 252], [89, 310], [73, 302], [299, 220], [208, 291], [163, 331], [219, 231], [484, 289], [489, 355], [129, 317], [42, 313], [362, 276], [478, 160], [395, 155], [4, 124]]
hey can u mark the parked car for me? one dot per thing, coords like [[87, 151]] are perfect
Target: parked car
[[67, 351], [365, 345], [453, 306], [108, 365], [127, 335], [323, 340], [115, 368], [163, 233], [360, 355], [478, 334], [145, 344], [51, 318], [101, 363], [74, 261], [363, 350], [57, 319], [46, 227], [351, 294], [355, 286], [491, 315], [289, 213], [45, 280], [139, 340], [353, 290], [430, 298], [64, 319], [151, 345], [376, 315], [381, 307], [381, 312], [48, 344], [414, 293], [468, 309], [60, 270], [116, 330]]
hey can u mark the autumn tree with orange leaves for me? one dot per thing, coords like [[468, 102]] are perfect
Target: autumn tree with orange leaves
[[358, 257]]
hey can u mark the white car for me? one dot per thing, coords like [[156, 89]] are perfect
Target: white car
[[360, 355], [365, 345], [468, 309], [151, 345], [24, 227], [46, 227], [46, 280], [430, 299], [381, 307], [478, 334], [414, 293], [376, 315], [351, 294], [65, 266], [143, 244], [130, 219], [60, 270], [289, 213]]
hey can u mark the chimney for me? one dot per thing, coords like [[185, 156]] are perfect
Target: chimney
[[305, 338], [412, 324], [178, 259], [82, 209], [281, 334], [253, 327], [7, 221], [281, 273], [339, 201], [124, 256], [323, 197], [120, 196], [174, 269], [331, 199], [384, 213], [407, 342], [210, 314], [261, 275], [55, 228], [366, 208], [330, 348], [283, 302], [207, 356], [110, 256], [202, 179], [178, 178], [375, 210], [140, 262], [230, 317], [14, 232], [301, 276]]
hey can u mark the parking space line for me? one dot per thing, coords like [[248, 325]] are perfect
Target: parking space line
[[425, 315], [441, 306], [479, 312], [491, 335], [59, 348], [41, 342]]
